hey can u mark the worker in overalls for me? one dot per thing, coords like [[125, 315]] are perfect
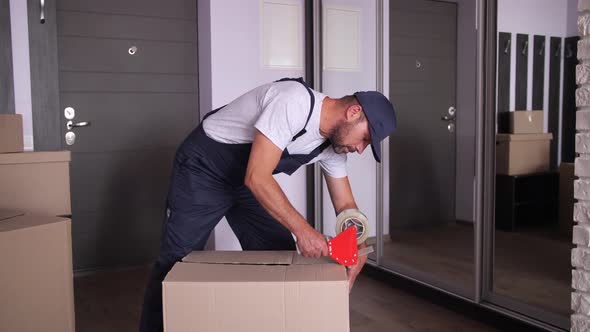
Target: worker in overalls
[[225, 168]]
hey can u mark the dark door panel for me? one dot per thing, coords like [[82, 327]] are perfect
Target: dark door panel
[[140, 107], [112, 55], [131, 121], [177, 9]]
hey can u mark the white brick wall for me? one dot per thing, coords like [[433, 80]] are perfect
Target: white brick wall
[[581, 235]]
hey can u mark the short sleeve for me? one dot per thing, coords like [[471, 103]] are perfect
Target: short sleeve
[[283, 115], [334, 164]]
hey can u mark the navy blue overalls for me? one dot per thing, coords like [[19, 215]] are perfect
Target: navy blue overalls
[[207, 184]]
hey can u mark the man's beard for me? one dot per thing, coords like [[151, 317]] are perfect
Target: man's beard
[[338, 135]]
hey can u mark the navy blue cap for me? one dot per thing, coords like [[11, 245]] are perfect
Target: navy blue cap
[[380, 115]]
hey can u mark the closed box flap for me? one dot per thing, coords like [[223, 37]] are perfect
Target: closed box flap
[[225, 273], [524, 137], [316, 272], [27, 221], [256, 266], [301, 260], [240, 257], [6, 213], [244, 273], [35, 157]]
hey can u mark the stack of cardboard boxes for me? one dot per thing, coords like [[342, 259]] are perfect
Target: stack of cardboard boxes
[[36, 279], [523, 148]]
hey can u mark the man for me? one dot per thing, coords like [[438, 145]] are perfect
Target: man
[[226, 165]]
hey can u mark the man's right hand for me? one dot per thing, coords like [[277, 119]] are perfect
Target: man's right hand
[[311, 243]]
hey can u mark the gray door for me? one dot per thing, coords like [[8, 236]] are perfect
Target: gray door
[[422, 82], [129, 67]]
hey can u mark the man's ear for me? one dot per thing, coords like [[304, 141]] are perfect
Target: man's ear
[[354, 112]]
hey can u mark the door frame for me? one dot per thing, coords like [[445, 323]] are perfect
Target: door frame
[[44, 76]]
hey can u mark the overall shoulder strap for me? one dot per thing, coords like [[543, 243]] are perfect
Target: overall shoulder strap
[[312, 104]]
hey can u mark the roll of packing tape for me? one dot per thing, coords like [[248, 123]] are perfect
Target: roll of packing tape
[[353, 217]]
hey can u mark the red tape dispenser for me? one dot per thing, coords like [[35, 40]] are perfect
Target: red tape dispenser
[[343, 248]]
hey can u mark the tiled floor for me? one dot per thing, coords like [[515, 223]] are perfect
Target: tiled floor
[[111, 301]]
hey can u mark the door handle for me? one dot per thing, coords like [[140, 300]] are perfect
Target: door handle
[[71, 124]]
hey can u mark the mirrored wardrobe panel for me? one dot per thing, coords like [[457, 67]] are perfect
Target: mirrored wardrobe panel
[[535, 131], [429, 234]]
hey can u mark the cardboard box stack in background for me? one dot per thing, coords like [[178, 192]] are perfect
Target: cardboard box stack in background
[[36, 279], [36, 182], [11, 133], [255, 291], [521, 145]]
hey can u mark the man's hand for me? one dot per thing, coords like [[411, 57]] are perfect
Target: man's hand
[[311, 243], [353, 271]]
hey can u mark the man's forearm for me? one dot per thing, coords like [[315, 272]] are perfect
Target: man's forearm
[[270, 195], [350, 205]]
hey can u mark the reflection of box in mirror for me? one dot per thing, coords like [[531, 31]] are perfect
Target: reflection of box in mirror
[[521, 122], [518, 154]]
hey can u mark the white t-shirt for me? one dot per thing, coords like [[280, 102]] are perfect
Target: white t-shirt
[[279, 111]]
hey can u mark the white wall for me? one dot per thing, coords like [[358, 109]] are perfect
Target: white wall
[[572, 18], [21, 67], [235, 69], [541, 17]]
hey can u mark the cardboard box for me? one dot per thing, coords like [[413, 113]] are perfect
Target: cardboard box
[[36, 279], [255, 291], [11, 133], [6, 214], [527, 122], [518, 154], [36, 182], [566, 198], [521, 122]]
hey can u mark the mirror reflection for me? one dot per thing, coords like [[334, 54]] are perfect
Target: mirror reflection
[[432, 75], [536, 59]]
